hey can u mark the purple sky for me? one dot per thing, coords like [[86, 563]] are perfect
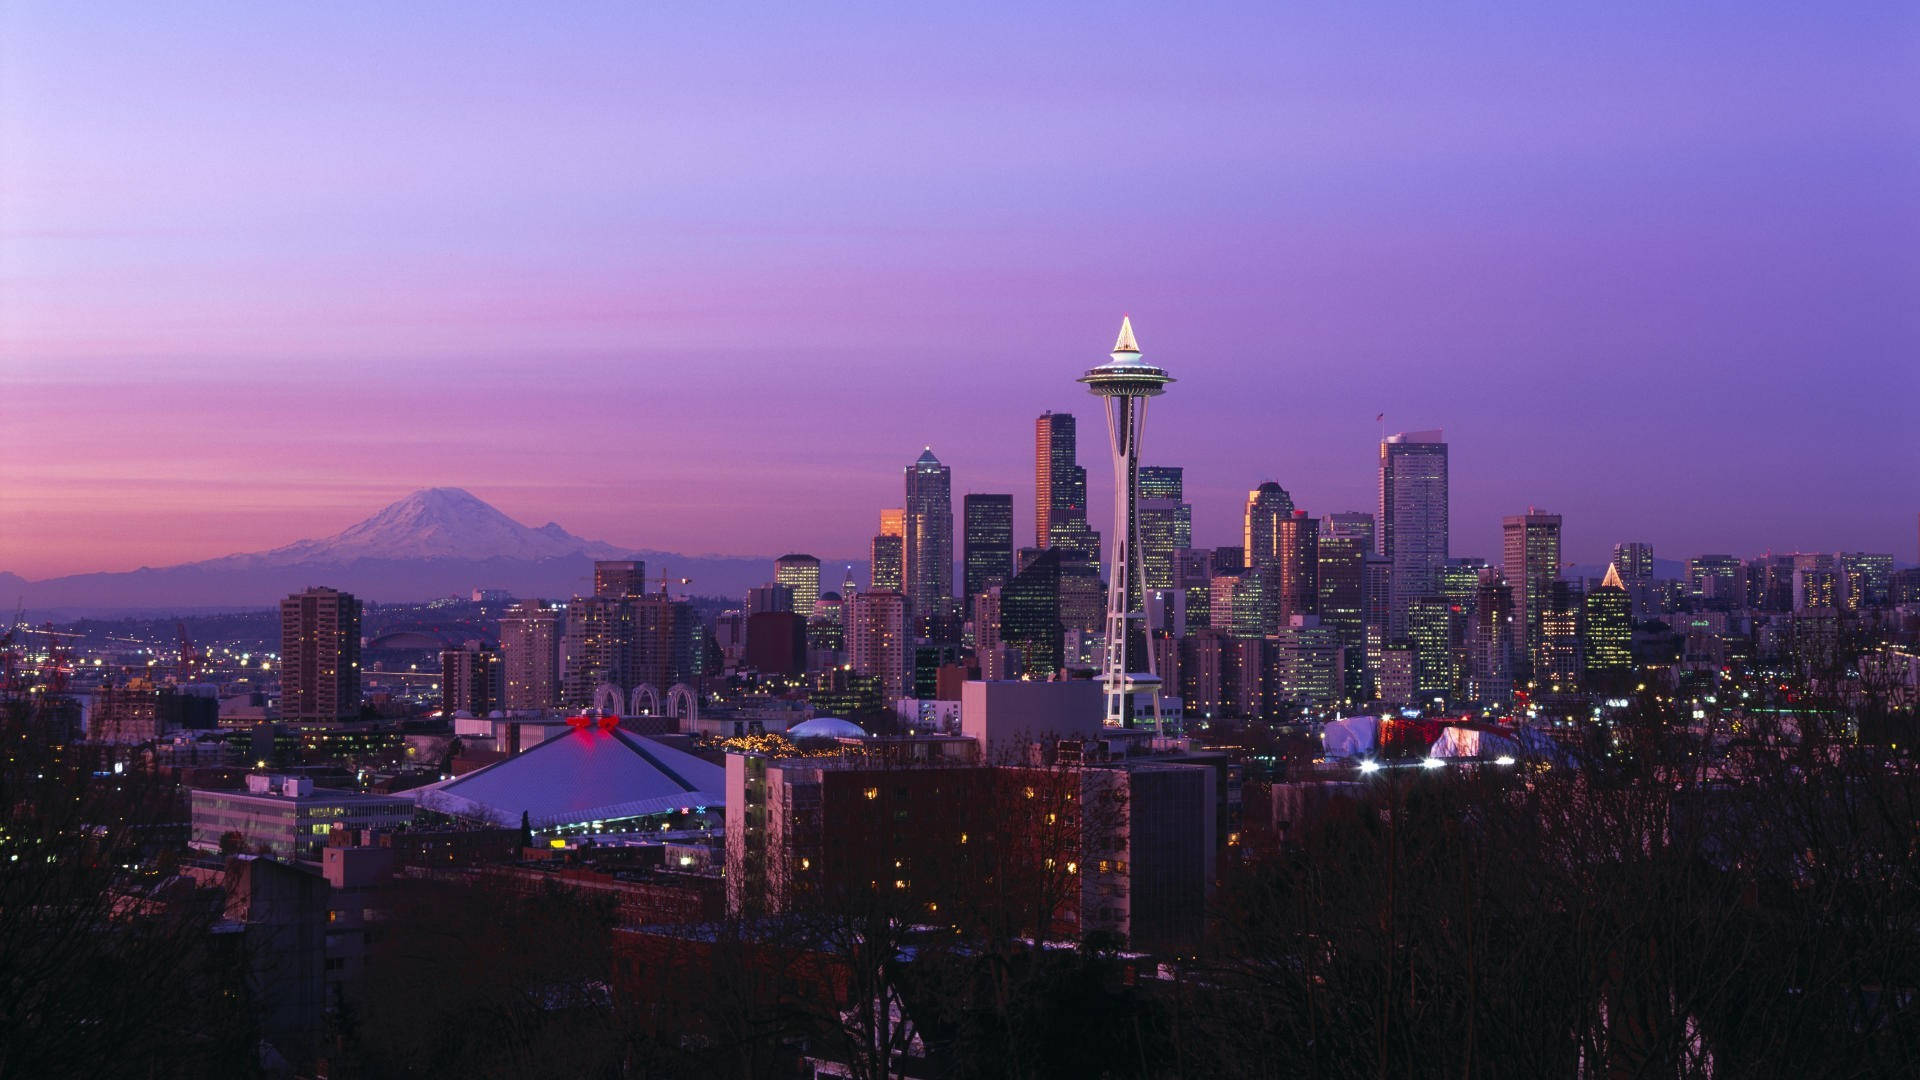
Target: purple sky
[[706, 280]]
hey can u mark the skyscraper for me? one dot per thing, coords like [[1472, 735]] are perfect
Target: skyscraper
[[877, 641], [1124, 384], [320, 656], [927, 541], [1413, 517], [889, 553], [470, 680], [1354, 524], [1030, 622], [801, 573], [1267, 506], [597, 648], [1608, 645], [1634, 560], [530, 656], [1531, 562], [1490, 642], [1298, 564], [624, 577], [1342, 602], [1166, 524], [1059, 483], [986, 558]]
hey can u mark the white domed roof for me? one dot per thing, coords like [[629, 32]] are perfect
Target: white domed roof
[[826, 727]]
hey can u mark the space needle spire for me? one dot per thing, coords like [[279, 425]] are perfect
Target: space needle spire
[[1126, 381]]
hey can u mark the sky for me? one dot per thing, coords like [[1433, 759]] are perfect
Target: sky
[[707, 277]]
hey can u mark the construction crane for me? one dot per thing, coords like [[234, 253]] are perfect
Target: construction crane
[[56, 667], [187, 654], [665, 581]]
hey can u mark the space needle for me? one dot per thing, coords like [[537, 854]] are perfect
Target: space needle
[[1126, 382]]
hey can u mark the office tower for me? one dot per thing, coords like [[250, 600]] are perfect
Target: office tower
[[1430, 627], [776, 643], [1558, 661], [530, 656], [1124, 384], [995, 660], [1267, 506], [800, 573], [1227, 560], [1531, 562], [1608, 642], [1378, 592], [1490, 643], [766, 600], [1413, 517], [1241, 604], [986, 553], [1342, 602], [1030, 621], [877, 641], [1308, 664], [668, 641], [1060, 484], [1298, 541], [927, 539], [1634, 560], [1193, 576], [1350, 524], [1458, 580], [1717, 579], [470, 680], [1866, 579], [1394, 675], [893, 521], [1166, 524], [597, 648], [887, 556], [625, 577], [320, 656]]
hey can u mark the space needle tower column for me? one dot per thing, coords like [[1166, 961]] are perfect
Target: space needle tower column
[[1126, 382]]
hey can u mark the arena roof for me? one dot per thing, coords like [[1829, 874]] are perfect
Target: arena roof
[[587, 775]]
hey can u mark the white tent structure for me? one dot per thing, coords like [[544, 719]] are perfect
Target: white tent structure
[[1354, 736]]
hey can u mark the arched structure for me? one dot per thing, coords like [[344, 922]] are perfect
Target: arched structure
[[606, 699], [683, 703], [644, 695]]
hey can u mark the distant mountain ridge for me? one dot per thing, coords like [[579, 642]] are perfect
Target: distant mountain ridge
[[435, 542]]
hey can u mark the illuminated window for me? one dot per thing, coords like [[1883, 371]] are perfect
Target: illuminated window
[[873, 793]]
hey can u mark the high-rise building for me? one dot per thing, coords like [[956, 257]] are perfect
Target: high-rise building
[[1193, 570], [927, 541], [1342, 602], [1490, 642], [888, 553], [597, 649], [1166, 524], [1430, 627], [877, 640], [668, 642], [530, 634], [1557, 662], [1298, 565], [768, 599], [1608, 650], [1059, 484], [1717, 579], [619, 577], [986, 558], [1531, 562], [1866, 579], [1308, 667], [1030, 620], [801, 573], [1634, 560], [1413, 517], [470, 680], [1267, 506], [1124, 383], [1351, 524], [320, 656]]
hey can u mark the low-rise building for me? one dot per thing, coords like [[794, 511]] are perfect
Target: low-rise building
[[287, 816]]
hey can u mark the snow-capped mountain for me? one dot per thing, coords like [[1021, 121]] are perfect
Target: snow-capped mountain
[[435, 542], [432, 523]]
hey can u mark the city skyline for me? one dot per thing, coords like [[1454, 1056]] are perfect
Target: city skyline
[[1688, 237]]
